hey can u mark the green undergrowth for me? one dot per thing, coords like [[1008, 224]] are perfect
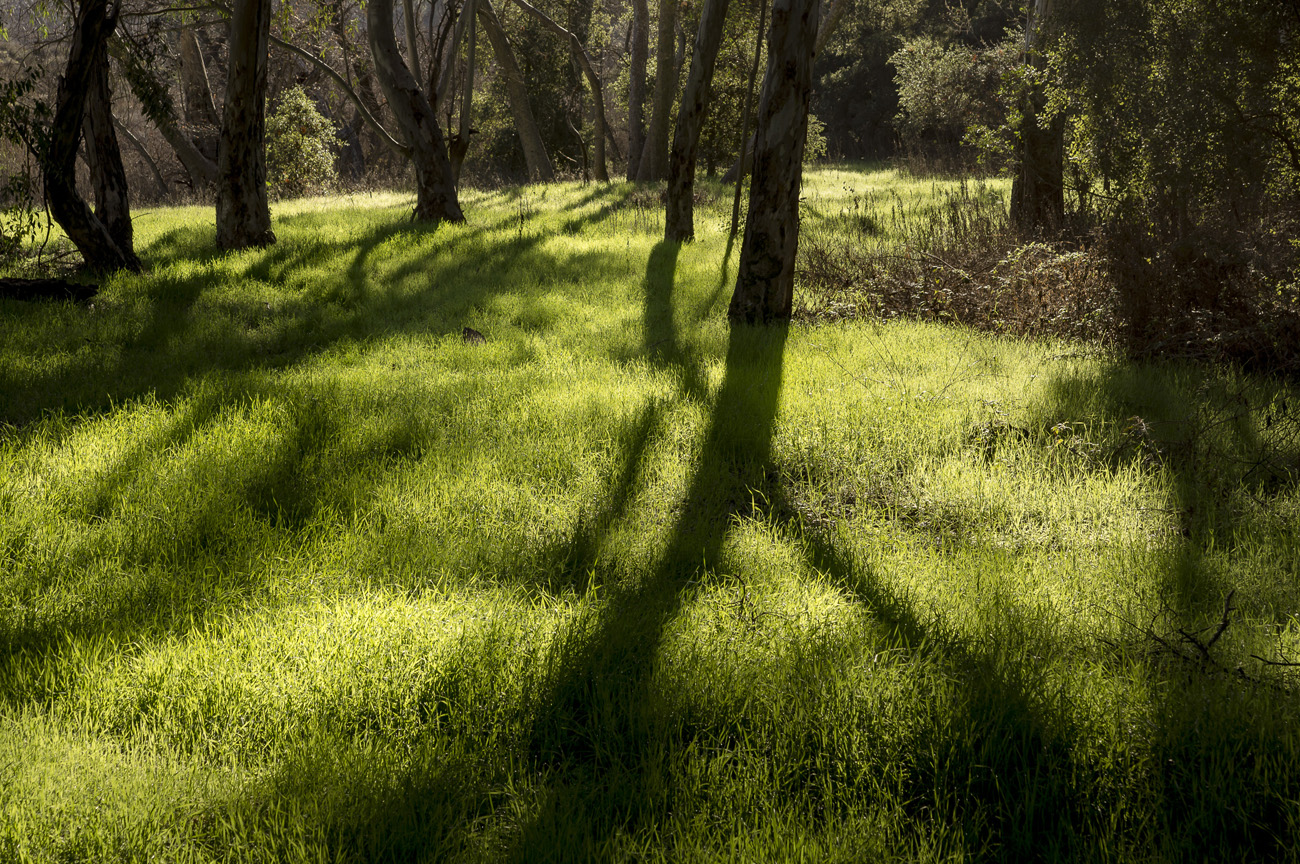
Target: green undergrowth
[[294, 572]]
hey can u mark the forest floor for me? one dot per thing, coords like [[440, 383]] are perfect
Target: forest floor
[[293, 571]]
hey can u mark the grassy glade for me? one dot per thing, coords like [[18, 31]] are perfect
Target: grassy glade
[[293, 572]]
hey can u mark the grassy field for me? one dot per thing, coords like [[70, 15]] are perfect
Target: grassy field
[[291, 572]]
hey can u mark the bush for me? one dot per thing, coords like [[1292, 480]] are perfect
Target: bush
[[299, 160]]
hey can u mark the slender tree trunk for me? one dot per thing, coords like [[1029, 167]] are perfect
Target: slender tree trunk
[[530, 139], [459, 145], [436, 198], [589, 71], [636, 86], [765, 275], [654, 159], [243, 215], [87, 59], [742, 161], [679, 221], [1038, 186], [112, 202], [201, 121], [139, 147], [412, 37]]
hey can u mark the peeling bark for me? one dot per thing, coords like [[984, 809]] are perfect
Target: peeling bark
[[679, 221], [112, 203], [530, 139], [765, 275], [436, 198], [243, 215]]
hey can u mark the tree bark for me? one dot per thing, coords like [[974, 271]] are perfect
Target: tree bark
[[765, 275], [679, 221], [636, 86], [412, 37], [435, 187], [243, 215], [1038, 185], [112, 202], [87, 60], [530, 139], [589, 71], [654, 158]]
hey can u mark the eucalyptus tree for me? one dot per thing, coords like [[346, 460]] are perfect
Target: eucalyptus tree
[[530, 138], [243, 214], [83, 105], [640, 37], [654, 156], [765, 275], [679, 222], [436, 198]]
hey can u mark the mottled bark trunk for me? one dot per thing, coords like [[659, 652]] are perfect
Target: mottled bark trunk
[[87, 60], [435, 187], [1038, 185], [679, 221], [765, 275], [636, 86], [201, 121], [654, 158], [530, 139], [589, 72], [243, 215], [112, 204]]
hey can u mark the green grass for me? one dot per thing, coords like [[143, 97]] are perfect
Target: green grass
[[292, 573]]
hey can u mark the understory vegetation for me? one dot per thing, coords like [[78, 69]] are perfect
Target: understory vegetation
[[295, 571]]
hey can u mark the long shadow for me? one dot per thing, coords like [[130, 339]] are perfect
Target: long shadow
[[594, 719]]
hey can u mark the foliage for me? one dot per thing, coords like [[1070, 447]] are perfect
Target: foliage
[[299, 142], [23, 123]]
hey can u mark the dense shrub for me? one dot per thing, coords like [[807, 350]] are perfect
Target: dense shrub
[[299, 160]]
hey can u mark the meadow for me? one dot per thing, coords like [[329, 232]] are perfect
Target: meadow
[[293, 572]]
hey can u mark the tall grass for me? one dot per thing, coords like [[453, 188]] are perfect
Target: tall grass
[[294, 572]]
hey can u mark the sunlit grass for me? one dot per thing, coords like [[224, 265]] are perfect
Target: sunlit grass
[[293, 572]]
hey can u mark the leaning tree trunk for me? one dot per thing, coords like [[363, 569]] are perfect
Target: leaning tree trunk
[[1038, 185], [87, 60], [435, 187], [112, 204], [636, 86], [243, 215], [589, 72], [654, 158], [530, 139], [765, 275], [458, 147], [679, 222]]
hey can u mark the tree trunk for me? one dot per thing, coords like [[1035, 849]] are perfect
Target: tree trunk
[[243, 215], [679, 221], [201, 119], [87, 60], [1038, 185], [765, 274], [636, 86], [435, 187], [742, 161], [530, 139], [654, 159], [112, 204], [593, 80], [459, 145], [412, 37]]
